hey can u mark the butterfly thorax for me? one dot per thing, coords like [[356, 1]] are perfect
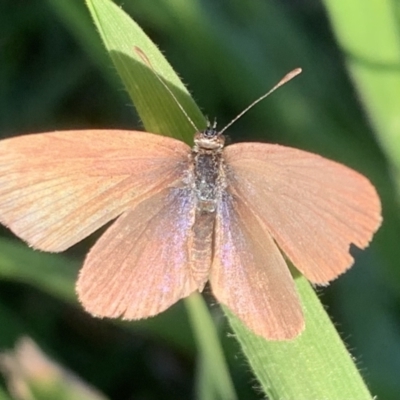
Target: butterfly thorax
[[207, 161]]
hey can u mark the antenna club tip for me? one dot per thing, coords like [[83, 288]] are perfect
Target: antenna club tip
[[293, 73]]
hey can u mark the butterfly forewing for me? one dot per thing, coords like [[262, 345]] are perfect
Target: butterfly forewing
[[57, 188], [250, 276], [139, 267], [314, 208]]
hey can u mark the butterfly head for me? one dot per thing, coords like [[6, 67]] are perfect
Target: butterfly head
[[210, 138]]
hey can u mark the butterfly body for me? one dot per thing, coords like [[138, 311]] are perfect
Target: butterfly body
[[207, 182]]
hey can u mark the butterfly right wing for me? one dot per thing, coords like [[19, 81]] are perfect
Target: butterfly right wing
[[314, 208], [140, 266], [57, 188], [250, 276]]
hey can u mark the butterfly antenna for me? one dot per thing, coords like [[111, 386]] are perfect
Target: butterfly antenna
[[146, 60], [284, 80]]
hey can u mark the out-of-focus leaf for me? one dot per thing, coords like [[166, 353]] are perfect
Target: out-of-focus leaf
[[31, 375]]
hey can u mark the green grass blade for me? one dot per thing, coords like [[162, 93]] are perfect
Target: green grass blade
[[316, 365], [213, 365], [120, 35]]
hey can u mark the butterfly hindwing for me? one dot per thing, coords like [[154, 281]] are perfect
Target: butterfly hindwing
[[250, 276], [140, 266]]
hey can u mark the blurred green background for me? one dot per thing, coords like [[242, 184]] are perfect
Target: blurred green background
[[55, 74]]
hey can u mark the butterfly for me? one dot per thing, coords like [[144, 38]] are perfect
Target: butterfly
[[227, 215]]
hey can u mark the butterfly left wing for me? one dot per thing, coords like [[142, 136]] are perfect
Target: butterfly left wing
[[140, 266], [250, 276], [57, 188]]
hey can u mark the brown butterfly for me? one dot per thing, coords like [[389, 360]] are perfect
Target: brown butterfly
[[187, 216]]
